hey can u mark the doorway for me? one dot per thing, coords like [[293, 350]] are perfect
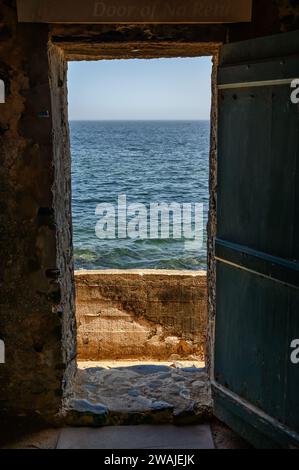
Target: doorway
[[140, 169]]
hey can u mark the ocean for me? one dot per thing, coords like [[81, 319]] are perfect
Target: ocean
[[148, 162]]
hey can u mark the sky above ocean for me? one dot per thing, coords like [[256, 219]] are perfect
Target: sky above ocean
[[158, 89]]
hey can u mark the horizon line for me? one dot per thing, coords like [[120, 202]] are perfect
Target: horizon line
[[137, 120]]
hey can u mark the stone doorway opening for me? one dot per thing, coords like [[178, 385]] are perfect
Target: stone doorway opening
[[141, 333]]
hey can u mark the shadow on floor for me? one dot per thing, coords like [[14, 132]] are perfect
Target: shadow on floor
[[213, 435]]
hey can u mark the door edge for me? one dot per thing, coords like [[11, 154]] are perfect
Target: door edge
[[242, 417]]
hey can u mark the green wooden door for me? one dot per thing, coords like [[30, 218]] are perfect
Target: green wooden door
[[255, 382]]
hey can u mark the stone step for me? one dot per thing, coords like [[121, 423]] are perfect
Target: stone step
[[137, 437]]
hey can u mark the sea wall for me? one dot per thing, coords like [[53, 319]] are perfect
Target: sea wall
[[147, 314]]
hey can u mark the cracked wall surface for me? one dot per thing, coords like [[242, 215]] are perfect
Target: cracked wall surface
[[142, 315]]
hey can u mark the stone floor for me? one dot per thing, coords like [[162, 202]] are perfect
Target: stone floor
[[213, 435], [138, 437], [147, 393], [174, 395]]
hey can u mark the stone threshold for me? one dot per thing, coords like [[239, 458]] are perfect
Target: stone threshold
[[127, 394]]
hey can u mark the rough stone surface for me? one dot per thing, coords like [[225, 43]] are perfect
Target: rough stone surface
[[139, 394], [141, 314], [212, 222], [84, 413], [35, 283], [63, 215], [94, 42]]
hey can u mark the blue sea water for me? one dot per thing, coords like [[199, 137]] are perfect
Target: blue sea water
[[148, 161]]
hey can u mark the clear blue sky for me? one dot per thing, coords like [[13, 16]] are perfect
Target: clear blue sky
[[140, 89]]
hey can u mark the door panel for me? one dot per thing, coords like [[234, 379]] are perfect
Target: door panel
[[255, 325], [258, 132], [257, 249]]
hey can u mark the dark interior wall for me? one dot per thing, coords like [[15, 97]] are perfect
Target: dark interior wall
[[269, 17], [33, 310], [36, 289]]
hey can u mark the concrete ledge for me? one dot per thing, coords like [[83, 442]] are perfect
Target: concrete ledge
[[140, 272], [141, 314]]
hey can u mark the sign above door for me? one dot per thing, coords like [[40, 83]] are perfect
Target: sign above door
[[134, 11]]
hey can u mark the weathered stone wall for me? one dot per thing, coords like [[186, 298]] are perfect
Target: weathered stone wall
[[35, 283], [141, 315], [212, 222], [63, 275]]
